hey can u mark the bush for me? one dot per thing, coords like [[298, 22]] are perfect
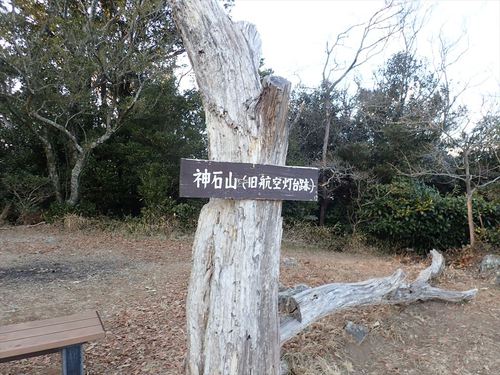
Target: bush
[[27, 191], [410, 214], [58, 211], [298, 212], [159, 205]]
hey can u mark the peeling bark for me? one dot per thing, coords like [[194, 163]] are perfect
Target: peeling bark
[[232, 303], [232, 314]]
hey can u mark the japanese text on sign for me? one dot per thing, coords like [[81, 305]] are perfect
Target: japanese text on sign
[[211, 179], [218, 180]]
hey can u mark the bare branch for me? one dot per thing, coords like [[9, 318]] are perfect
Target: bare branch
[[306, 305]]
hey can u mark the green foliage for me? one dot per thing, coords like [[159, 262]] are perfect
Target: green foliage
[[410, 214], [57, 211], [27, 191], [158, 205], [396, 119], [154, 190], [489, 235], [73, 72], [137, 172], [187, 213], [295, 211]]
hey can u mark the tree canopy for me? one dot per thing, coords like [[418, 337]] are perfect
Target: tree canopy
[[72, 72], [92, 120]]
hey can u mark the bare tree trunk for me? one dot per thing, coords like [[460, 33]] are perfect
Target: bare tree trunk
[[76, 172], [326, 137], [303, 306], [469, 192], [51, 163], [232, 313], [470, 220], [324, 155]]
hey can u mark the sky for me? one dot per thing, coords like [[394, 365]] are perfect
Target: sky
[[294, 34]]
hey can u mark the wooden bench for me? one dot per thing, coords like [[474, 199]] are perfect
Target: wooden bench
[[65, 334]]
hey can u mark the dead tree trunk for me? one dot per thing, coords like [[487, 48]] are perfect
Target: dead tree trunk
[[232, 314], [302, 306]]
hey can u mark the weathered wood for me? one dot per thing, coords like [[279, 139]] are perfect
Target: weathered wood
[[311, 304], [232, 314], [25, 339], [213, 179], [287, 304]]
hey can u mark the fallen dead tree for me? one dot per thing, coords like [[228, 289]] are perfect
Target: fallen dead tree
[[300, 306]]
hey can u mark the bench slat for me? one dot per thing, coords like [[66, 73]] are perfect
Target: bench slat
[[25, 338], [54, 328], [56, 340], [48, 322]]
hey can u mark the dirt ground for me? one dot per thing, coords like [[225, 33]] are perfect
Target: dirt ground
[[139, 287]]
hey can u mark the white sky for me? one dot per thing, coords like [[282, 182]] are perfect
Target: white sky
[[294, 35]]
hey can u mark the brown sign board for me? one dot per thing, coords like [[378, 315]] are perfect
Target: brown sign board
[[213, 179]]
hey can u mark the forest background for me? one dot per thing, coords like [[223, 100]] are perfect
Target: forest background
[[94, 121]]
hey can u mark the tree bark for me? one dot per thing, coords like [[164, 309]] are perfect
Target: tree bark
[[306, 305], [469, 192], [324, 155], [51, 164], [76, 172], [232, 314], [50, 156], [470, 221]]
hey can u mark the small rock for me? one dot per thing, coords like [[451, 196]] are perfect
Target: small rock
[[497, 281], [290, 262], [50, 239], [490, 262], [357, 331]]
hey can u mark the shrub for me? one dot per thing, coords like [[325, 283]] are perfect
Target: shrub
[[58, 211], [410, 214], [27, 191], [159, 205]]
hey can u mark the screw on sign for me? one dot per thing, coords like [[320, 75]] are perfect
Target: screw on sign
[[211, 179]]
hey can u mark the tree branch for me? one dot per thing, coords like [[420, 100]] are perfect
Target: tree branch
[[305, 306], [59, 127]]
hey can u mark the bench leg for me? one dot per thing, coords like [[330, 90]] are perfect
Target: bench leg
[[72, 360]]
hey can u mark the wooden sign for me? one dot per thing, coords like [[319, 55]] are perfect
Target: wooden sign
[[211, 179]]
